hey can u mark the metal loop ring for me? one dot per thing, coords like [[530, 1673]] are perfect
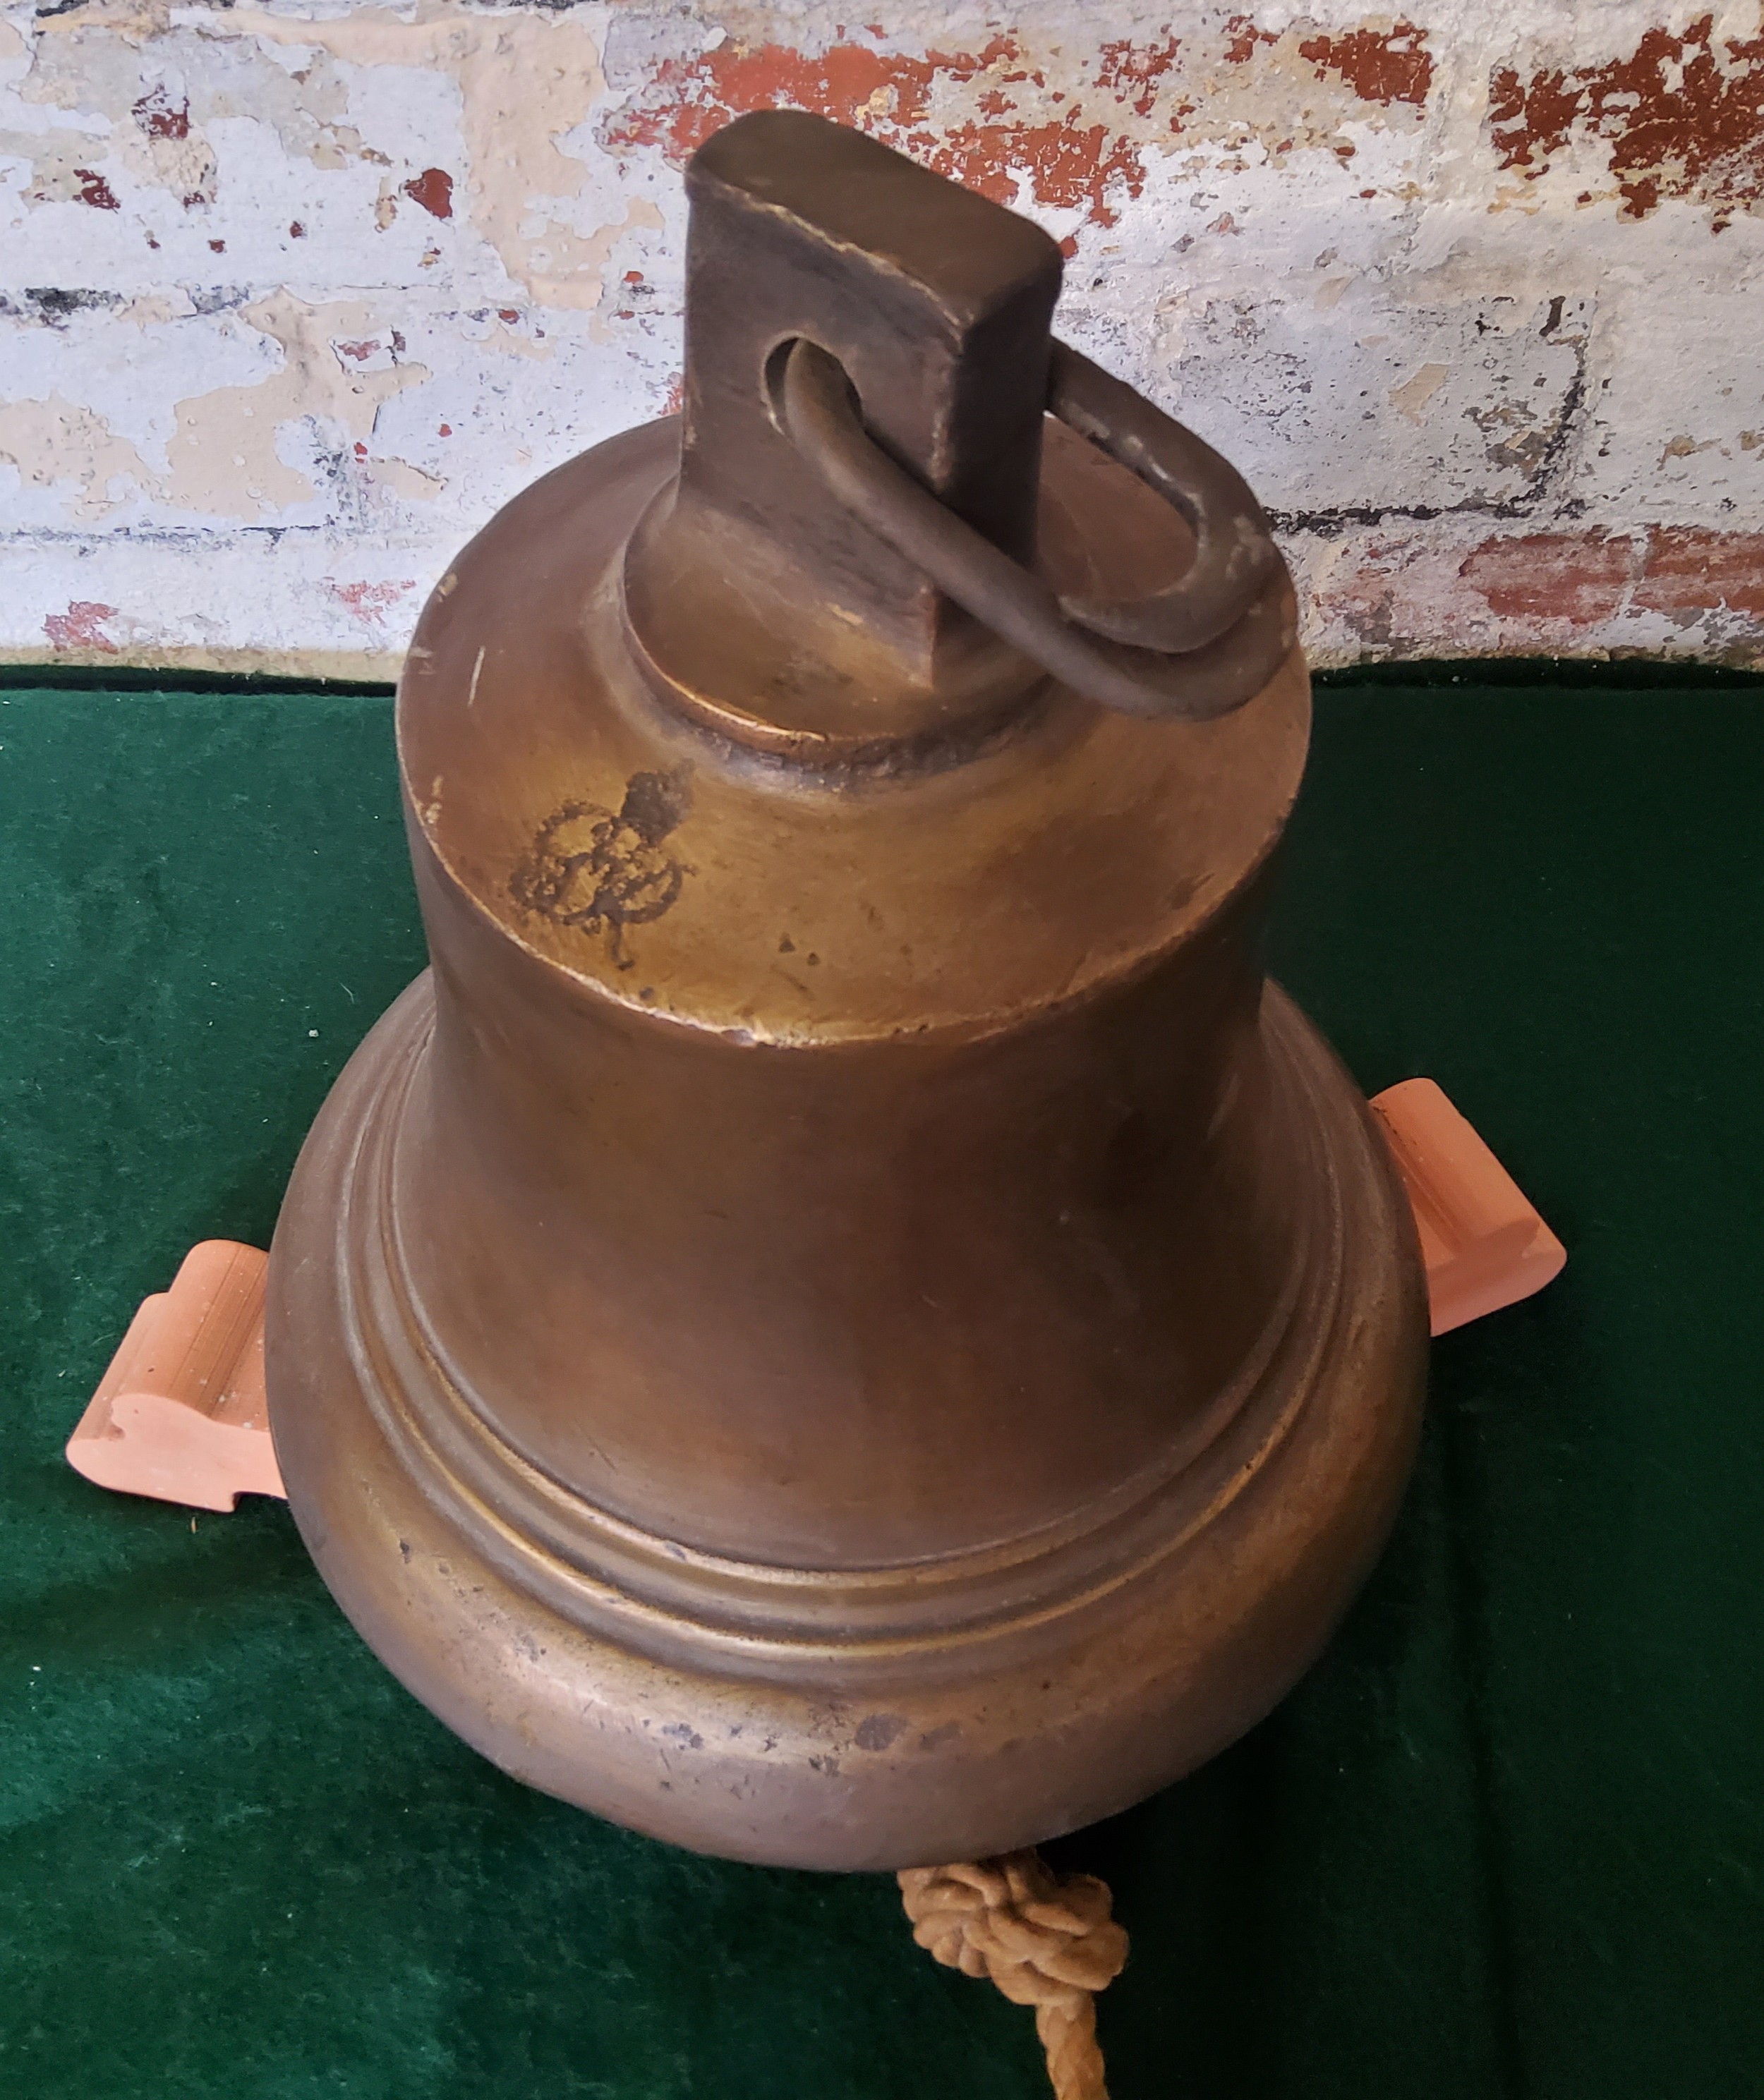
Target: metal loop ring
[[1197, 648]]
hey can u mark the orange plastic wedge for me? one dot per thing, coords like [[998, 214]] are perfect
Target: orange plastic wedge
[[1484, 1245], [181, 1413]]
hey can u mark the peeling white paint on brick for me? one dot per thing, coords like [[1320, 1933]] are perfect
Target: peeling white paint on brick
[[292, 296]]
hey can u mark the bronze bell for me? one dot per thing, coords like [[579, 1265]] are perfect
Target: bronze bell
[[844, 1322]]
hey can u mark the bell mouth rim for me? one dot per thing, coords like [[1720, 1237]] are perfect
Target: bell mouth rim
[[755, 1751], [613, 1579]]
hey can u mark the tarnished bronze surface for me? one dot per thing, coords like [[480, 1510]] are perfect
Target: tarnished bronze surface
[[843, 1322]]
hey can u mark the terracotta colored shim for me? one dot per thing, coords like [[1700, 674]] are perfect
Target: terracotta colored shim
[[1484, 1245], [181, 1413]]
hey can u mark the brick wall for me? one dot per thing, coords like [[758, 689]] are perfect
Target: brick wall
[[292, 296]]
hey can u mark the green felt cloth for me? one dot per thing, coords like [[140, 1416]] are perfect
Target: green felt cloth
[[1506, 1839]]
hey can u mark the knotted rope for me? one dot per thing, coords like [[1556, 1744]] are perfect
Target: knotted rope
[[1046, 1941]]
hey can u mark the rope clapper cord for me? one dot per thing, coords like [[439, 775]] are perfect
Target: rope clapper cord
[[1045, 1940]]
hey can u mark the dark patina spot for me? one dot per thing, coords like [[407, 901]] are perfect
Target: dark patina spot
[[878, 1730]]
